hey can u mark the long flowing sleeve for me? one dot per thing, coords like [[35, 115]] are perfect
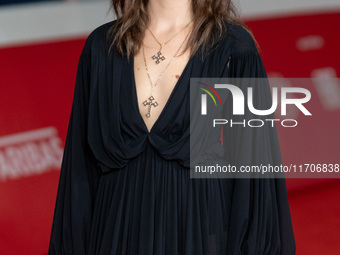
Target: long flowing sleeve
[[72, 215], [260, 216]]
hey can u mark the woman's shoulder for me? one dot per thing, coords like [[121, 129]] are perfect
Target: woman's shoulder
[[97, 39], [240, 40]]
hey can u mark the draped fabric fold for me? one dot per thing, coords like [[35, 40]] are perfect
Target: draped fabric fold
[[259, 207], [78, 176]]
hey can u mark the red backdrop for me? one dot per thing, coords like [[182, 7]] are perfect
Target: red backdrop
[[37, 83]]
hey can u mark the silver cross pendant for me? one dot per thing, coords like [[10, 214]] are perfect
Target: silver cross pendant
[[149, 104]]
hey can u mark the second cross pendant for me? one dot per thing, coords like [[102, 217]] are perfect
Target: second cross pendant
[[149, 104]]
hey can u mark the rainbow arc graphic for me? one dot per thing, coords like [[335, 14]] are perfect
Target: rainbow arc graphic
[[210, 94]]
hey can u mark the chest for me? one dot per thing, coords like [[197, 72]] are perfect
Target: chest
[[154, 83]]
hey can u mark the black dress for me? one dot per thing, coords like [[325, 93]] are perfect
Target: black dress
[[124, 190]]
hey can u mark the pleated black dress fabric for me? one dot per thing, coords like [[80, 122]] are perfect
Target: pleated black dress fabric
[[124, 190]]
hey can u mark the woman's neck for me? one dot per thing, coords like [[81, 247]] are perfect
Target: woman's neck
[[169, 15]]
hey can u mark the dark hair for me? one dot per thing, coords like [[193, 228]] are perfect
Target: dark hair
[[210, 18]]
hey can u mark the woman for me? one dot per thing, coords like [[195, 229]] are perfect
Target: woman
[[125, 186]]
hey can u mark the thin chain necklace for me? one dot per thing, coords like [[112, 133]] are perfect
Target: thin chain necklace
[[158, 57], [151, 100]]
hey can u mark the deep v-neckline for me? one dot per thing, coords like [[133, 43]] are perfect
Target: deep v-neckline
[[135, 97]]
